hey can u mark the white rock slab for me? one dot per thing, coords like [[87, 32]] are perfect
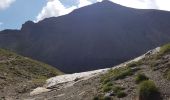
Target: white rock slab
[[72, 77], [39, 90]]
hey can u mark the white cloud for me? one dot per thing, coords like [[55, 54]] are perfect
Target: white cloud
[[163, 4], [83, 3], [55, 8], [5, 4], [145, 4]]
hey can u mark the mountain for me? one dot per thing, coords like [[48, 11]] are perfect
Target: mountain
[[92, 37], [20, 74]]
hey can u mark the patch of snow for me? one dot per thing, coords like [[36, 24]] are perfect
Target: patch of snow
[[151, 52], [154, 51], [73, 77], [39, 90]]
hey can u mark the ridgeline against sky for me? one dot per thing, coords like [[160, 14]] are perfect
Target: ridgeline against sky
[[13, 13]]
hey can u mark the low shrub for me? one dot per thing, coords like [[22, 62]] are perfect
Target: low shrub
[[140, 77], [123, 73], [105, 81], [148, 90], [164, 49], [109, 84], [96, 98], [121, 94], [134, 64], [117, 89], [102, 98], [115, 74], [154, 64], [106, 88], [107, 98]]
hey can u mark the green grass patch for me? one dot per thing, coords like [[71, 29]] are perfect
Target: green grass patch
[[153, 64], [107, 80], [140, 77], [16, 68], [107, 98], [106, 88], [148, 90], [102, 98], [165, 49], [109, 84], [7, 53], [121, 94], [96, 98], [134, 64], [116, 74], [122, 73], [117, 89]]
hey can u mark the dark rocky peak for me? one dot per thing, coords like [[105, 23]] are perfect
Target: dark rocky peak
[[27, 25]]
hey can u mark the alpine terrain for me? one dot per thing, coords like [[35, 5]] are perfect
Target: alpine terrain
[[97, 36]]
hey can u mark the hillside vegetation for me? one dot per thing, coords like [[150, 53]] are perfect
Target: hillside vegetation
[[146, 79], [20, 74]]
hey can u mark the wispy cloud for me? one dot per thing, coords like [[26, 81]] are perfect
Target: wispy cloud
[[55, 8], [5, 4], [162, 4]]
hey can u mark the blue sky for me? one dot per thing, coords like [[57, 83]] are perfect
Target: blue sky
[[19, 12], [13, 13]]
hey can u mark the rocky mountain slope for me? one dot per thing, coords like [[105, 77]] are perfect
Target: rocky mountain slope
[[93, 37], [20, 74], [144, 78]]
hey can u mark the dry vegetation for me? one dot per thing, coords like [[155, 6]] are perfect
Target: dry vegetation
[[20, 74], [139, 80]]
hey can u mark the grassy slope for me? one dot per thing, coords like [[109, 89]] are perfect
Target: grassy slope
[[154, 68], [15, 69]]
